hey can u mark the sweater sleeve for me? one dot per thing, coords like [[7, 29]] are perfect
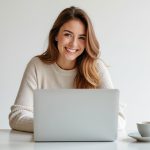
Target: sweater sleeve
[[21, 115], [107, 83]]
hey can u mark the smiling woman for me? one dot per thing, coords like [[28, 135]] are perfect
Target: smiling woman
[[73, 32], [70, 61]]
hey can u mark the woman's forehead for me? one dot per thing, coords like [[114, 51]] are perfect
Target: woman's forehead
[[75, 25]]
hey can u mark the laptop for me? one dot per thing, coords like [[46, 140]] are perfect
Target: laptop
[[76, 114]]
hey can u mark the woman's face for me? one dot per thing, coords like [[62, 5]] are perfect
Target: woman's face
[[71, 40]]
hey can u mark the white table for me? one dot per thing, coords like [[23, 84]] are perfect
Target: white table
[[15, 140]]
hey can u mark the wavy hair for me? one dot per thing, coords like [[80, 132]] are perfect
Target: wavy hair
[[87, 68]]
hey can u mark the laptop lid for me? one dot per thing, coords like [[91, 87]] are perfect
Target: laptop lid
[[76, 114]]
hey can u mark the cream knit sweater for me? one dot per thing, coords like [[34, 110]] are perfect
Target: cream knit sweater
[[39, 75]]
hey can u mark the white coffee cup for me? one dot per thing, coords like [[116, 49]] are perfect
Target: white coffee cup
[[144, 128]]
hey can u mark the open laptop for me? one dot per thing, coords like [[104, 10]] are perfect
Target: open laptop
[[76, 114]]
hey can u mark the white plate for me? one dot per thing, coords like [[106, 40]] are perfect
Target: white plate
[[138, 137]]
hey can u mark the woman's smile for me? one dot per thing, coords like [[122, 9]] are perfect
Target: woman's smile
[[71, 50]]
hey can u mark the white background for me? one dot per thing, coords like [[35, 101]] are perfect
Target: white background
[[123, 30]]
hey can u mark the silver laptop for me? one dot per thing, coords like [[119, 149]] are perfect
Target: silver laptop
[[76, 114]]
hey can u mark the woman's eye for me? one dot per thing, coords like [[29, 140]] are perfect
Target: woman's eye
[[82, 38], [67, 35]]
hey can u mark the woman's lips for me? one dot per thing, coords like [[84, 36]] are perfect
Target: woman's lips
[[71, 50]]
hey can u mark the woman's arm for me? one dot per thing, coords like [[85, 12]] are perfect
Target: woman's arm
[[106, 83], [21, 115]]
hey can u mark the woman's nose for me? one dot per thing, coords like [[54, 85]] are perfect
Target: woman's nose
[[74, 42]]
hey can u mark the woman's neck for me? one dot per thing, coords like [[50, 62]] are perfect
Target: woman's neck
[[66, 65]]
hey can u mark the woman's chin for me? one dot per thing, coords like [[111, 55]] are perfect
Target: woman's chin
[[70, 58]]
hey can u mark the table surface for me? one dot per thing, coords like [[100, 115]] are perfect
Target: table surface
[[15, 140]]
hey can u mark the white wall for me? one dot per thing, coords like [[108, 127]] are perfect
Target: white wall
[[122, 27]]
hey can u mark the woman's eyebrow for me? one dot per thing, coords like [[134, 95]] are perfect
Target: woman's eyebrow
[[72, 32], [68, 31]]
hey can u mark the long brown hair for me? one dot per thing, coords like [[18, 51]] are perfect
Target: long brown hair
[[87, 68]]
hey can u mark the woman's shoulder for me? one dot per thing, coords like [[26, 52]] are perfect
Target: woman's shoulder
[[36, 62], [102, 66], [105, 75]]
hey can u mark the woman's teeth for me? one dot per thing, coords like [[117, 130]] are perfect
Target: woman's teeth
[[71, 50]]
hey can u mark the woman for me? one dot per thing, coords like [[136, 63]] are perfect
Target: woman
[[70, 61]]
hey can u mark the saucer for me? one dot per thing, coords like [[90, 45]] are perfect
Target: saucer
[[138, 137]]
